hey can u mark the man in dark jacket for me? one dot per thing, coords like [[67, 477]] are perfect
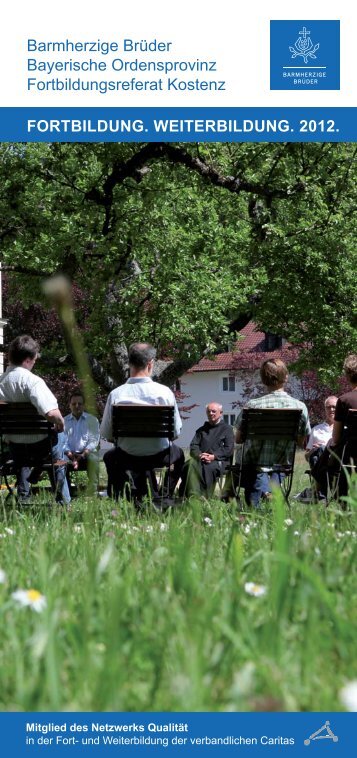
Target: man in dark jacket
[[210, 450]]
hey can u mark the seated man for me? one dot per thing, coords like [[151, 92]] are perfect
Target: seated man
[[148, 452], [320, 436], [345, 403], [81, 440], [210, 450], [274, 375], [19, 385], [329, 463]]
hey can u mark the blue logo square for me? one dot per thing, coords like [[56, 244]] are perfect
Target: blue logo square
[[304, 55]]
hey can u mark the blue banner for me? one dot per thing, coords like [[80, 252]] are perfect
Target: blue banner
[[178, 734], [178, 124]]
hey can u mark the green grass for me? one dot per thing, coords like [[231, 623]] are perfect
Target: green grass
[[150, 612]]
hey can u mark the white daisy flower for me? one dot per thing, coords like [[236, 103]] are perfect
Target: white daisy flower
[[2, 577], [129, 529], [31, 598], [256, 590], [348, 696], [288, 522], [208, 521]]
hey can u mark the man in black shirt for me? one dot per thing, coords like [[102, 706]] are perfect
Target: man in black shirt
[[211, 450]]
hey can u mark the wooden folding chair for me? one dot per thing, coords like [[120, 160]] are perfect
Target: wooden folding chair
[[347, 463], [23, 419], [143, 421], [261, 425]]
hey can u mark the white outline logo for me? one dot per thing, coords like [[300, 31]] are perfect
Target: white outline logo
[[319, 736], [304, 46]]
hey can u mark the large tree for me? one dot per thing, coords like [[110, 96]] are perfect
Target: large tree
[[175, 243]]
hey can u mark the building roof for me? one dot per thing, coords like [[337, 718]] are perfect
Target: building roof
[[248, 353]]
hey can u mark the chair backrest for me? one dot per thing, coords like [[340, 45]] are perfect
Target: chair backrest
[[22, 418], [270, 424], [350, 438], [350, 431], [130, 420]]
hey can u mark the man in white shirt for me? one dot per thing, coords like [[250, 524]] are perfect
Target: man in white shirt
[[19, 385], [150, 452], [321, 433], [319, 437], [81, 439]]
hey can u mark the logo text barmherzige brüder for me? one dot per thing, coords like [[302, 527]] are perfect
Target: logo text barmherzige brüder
[[305, 55]]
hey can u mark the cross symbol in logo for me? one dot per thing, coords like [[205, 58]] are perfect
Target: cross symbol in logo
[[304, 32]]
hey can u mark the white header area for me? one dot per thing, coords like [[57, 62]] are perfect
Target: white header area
[[159, 54]]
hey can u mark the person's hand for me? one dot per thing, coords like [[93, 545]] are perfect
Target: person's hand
[[311, 450], [55, 417], [81, 456], [207, 457]]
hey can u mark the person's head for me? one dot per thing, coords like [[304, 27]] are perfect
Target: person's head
[[274, 373], [76, 403], [214, 413], [330, 408], [141, 358], [23, 351], [350, 368]]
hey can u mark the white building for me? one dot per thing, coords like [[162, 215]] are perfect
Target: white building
[[230, 378]]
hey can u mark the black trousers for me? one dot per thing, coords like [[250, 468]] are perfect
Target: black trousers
[[118, 463], [325, 467], [329, 464], [33, 455], [199, 478], [90, 464]]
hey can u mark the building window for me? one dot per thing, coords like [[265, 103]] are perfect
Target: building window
[[272, 342], [229, 384], [229, 418]]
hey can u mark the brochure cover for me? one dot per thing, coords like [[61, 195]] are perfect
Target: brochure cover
[[182, 176]]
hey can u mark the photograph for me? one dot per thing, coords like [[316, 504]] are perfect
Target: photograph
[[200, 560]]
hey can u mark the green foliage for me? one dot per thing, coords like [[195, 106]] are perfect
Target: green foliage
[[149, 613], [172, 243]]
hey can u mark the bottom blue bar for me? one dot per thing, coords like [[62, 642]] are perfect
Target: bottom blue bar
[[177, 734]]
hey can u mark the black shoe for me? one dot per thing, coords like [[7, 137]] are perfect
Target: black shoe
[[34, 475], [306, 496], [162, 504]]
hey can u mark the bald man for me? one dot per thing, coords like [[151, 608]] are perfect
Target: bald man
[[321, 433], [210, 450]]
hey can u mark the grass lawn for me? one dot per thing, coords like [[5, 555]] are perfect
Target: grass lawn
[[153, 612]]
